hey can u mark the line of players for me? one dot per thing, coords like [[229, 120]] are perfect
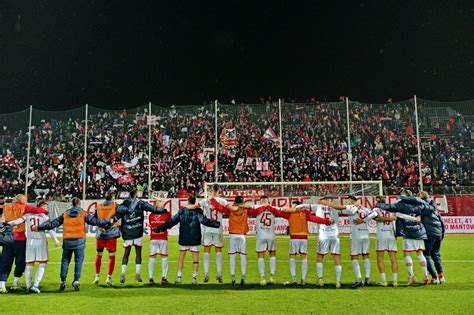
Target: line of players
[[325, 213]]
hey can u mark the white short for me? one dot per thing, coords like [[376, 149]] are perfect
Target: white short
[[189, 248], [410, 245], [237, 244], [159, 247], [213, 239], [135, 242], [264, 245], [298, 246], [360, 246], [386, 245], [36, 250], [329, 246]]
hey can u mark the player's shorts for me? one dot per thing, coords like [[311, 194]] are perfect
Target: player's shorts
[[237, 244], [386, 245], [332, 246], [360, 246], [213, 239], [189, 248], [36, 250], [135, 242], [158, 247], [266, 244], [298, 246], [110, 245], [410, 245]]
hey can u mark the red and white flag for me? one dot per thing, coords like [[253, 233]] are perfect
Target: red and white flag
[[270, 135], [258, 164], [240, 164]]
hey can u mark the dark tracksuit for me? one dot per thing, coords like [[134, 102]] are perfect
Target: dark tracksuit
[[190, 221], [72, 245]]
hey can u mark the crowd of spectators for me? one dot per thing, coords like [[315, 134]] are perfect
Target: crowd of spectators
[[315, 148]]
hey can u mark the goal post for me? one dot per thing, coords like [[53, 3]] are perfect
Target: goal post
[[289, 189]]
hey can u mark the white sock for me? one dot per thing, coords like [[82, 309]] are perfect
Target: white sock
[[304, 269], [409, 264], [39, 274], [422, 259], [243, 264], [356, 267], [180, 273], [138, 268], [15, 281], [261, 267], [151, 267], [232, 264], [367, 267], [164, 266], [219, 263], [124, 269], [395, 277], [319, 269], [383, 277], [195, 274], [2, 284], [293, 267], [28, 275], [207, 259], [273, 265], [338, 273]]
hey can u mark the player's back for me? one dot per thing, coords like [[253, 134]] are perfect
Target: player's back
[[212, 214], [238, 223], [157, 219], [35, 219], [298, 223], [359, 231], [385, 229], [265, 221], [326, 231]]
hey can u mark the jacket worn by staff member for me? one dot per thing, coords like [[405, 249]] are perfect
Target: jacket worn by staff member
[[132, 214], [190, 221], [107, 210], [298, 221], [408, 205], [74, 226], [431, 218], [14, 211]]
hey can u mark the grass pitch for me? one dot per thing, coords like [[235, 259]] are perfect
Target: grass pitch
[[456, 296]]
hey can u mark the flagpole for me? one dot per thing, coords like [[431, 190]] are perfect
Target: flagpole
[[216, 177], [281, 147], [149, 150], [84, 169], [349, 149], [418, 145], [28, 154]]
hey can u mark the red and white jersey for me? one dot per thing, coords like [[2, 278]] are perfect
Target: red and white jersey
[[31, 219], [265, 223], [326, 232], [156, 220], [385, 230], [358, 231], [212, 214]]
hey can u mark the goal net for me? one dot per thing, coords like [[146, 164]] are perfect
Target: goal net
[[297, 189]]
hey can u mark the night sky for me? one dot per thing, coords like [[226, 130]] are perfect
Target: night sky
[[116, 54]]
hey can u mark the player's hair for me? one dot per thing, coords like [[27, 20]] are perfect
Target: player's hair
[[109, 195], [423, 194], [215, 187], [380, 199], [264, 198], [19, 196], [295, 202], [42, 203], [406, 193], [326, 198], [239, 199], [75, 201], [133, 193], [192, 200]]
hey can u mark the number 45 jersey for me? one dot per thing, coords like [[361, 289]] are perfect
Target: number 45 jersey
[[265, 221], [326, 232]]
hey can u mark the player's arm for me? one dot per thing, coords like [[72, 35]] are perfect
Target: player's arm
[[54, 236], [170, 223], [206, 221], [254, 211], [219, 207], [387, 207], [145, 206], [408, 217], [367, 219], [279, 213], [49, 225], [17, 221], [313, 218], [35, 210]]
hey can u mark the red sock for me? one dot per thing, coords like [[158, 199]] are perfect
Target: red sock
[[98, 261], [111, 265]]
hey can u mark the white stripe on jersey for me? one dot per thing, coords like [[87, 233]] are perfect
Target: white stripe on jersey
[[34, 219], [212, 214], [385, 229], [326, 231]]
